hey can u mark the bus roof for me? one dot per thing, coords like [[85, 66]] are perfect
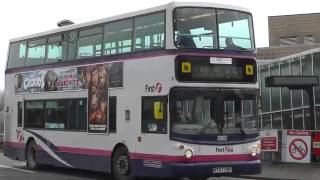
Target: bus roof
[[171, 5]]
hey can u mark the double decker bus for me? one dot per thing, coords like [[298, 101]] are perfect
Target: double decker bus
[[169, 91]]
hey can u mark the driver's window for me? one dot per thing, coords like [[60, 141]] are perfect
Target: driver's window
[[154, 115]]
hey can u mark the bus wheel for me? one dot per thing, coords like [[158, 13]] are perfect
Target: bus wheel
[[32, 155], [121, 169]]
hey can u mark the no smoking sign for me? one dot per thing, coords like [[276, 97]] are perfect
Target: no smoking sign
[[298, 149]]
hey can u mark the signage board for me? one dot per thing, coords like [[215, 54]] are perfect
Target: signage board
[[269, 140], [296, 146]]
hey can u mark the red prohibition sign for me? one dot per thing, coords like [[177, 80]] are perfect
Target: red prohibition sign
[[298, 152]]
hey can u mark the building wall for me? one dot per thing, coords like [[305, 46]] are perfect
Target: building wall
[[289, 109], [302, 26]]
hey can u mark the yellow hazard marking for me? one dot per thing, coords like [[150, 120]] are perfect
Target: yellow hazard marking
[[186, 67], [249, 69]]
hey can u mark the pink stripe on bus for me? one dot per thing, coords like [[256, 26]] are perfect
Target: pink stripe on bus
[[95, 152]]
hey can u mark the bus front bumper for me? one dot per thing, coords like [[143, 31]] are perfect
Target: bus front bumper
[[199, 169]]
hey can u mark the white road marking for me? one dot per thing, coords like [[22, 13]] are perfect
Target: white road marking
[[20, 163], [8, 167]]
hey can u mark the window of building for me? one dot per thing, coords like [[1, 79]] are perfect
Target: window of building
[[149, 32], [317, 115], [307, 119], [287, 119], [298, 119], [154, 115], [36, 52], [276, 121], [296, 94], [20, 107], [285, 92], [306, 62], [56, 114], [266, 121], [118, 37], [112, 114], [316, 71], [309, 39], [288, 41], [265, 92], [275, 92], [17, 54], [90, 43]]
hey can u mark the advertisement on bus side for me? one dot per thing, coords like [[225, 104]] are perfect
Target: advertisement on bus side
[[62, 79], [96, 80]]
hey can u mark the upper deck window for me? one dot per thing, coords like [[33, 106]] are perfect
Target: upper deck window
[[36, 52], [209, 28], [149, 32], [235, 30], [54, 49], [90, 43], [195, 28], [118, 37], [17, 54]]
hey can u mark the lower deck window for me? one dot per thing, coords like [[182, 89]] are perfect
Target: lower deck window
[[56, 114]]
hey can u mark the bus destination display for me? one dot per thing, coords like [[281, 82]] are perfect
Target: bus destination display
[[204, 69]]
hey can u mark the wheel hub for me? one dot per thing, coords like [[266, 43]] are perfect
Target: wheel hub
[[123, 164]]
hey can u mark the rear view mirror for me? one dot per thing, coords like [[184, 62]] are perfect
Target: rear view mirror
[[158, 110]]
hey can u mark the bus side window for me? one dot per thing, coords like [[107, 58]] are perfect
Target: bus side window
[[20, 114], [112, 114], [149, 32], [17, 54], [154, 115], [90, 43]]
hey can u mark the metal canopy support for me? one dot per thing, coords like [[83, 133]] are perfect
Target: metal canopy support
[[305, 83]]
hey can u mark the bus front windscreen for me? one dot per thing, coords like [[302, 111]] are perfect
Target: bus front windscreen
[[198, 112], [209, 28]]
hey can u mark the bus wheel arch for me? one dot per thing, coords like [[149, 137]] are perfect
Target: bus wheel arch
[[31, 154], [120, 155]]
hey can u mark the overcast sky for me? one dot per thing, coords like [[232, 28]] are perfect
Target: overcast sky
[[19, 17]]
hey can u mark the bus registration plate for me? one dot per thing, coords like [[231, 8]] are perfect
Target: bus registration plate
[[222, 170]]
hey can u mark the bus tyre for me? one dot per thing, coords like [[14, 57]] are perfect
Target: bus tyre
[[121, 168], [32, 156]]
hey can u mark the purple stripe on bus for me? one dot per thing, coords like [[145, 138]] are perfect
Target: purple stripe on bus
[[127, 57]]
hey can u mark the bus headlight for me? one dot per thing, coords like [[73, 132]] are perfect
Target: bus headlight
[[254, 151], [188, 153]]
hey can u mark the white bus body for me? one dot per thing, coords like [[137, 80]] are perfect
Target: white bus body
[[145, 74]]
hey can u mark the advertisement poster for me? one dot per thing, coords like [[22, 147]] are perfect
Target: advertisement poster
[[72, 78], [95, 78]]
